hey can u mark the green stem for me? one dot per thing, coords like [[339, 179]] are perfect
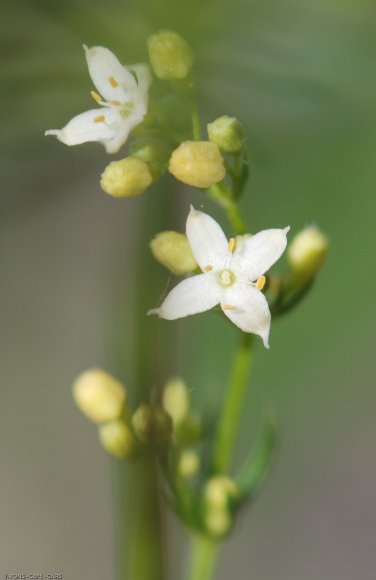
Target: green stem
[[196, 125], [204, 555], [222, 196], [232, 406]]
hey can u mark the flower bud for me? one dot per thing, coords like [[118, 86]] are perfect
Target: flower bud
[[172, 250], [151, 425], [197, 163], [126, 178], [227, 133], [219, 492], [118, 439], [176, 399], [99, 396], [154, 152], [189, 463], [170, 55], [307, 252]]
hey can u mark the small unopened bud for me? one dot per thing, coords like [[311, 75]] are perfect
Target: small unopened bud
[[189, 463], [219, 492], [307, 252], [126, 178], [197, 163], [227, 133], [151, 424], [172, 250], [155, 152], [170, 55], [99, 396], [176, 399], [118, 439]]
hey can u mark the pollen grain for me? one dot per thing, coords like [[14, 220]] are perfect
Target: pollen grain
[[99, 119], [228, 307]]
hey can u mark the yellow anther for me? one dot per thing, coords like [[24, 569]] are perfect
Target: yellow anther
[[260, 282], [207, 268], [96, 96], [231, 245], [228, 307], [99, 119], [115, 103], [113, 82]]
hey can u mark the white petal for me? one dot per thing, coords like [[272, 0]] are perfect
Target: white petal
[[112, 80], [193, 295], [251, 311], [257, 254], [207, 240], [144, 79], [94, 125], [123, 128]]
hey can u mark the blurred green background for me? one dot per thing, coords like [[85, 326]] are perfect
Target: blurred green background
[[301, 77]]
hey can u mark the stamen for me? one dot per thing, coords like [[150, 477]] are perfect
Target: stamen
[[96, 96], [207, 268], [260, 282], [113, 82], [99, 119], [115, 103], [228, 307], [231, 245]]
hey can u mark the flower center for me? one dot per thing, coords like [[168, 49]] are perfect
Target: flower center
[[126, 110], [226, 278]]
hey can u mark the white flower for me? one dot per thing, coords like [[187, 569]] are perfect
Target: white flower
[[232, 278], [123, 96]]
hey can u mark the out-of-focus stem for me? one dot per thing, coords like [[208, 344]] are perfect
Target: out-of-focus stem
[[232, 406], [204, 555], [222, 196]]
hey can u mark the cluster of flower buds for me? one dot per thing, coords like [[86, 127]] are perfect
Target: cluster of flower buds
[[163, 137], [102, 399]]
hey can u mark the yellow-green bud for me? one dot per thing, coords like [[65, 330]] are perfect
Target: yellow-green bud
[[155, 152], [218, 521], [151, 424], [172, 250], [189, 463], [118, 439], [197, 163], [99, 396], [176, 399], [126, 178], [170, 55], [307, 252], [227, 133], [219, 492]]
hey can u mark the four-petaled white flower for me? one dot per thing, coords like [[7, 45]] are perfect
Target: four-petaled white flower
[[123, 94], [231, 277]]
